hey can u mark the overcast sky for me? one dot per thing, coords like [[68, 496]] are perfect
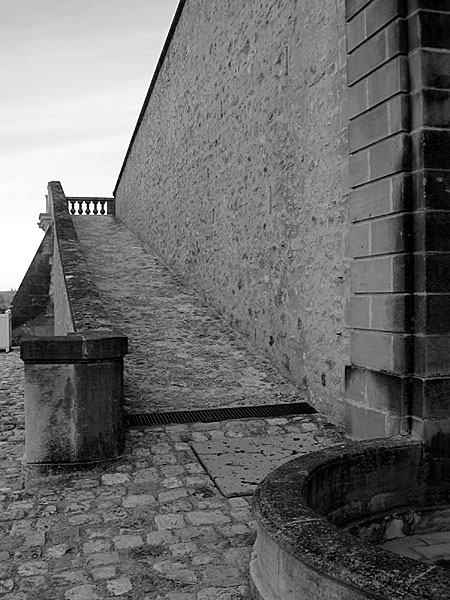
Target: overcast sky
[[74, 74]]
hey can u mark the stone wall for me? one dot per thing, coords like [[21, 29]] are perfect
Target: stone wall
[[78, 305], [32, 306], [236, 175], [399, 143], [381, 305]]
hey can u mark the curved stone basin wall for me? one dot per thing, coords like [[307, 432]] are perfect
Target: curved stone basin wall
[[302, 552]]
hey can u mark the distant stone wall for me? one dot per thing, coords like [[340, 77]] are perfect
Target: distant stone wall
[[237, 176], [58, 294], [32, 306]]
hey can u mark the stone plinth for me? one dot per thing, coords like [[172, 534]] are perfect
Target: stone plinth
[[73, 401]]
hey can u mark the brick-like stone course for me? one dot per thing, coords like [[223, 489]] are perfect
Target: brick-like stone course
[[381, 351], [377, 50], [383, 159], [383, 197], [381, 311], [384, 120], [388, 235], [399, 233], [380, 274]]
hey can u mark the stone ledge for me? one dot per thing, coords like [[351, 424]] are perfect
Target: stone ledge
[[78, 347]]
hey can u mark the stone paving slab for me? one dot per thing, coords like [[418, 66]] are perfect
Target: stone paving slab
[[218, 447], [279, 449], [236, 474], [148, 526], [237, 466]]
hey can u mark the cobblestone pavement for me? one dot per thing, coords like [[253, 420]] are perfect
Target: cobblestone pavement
[[149, 526], [181, 355]]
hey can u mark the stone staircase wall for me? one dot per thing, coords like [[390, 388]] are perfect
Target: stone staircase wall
[[78, 306]]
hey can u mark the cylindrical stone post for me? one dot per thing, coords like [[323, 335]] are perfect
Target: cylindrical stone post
[[73, 401]]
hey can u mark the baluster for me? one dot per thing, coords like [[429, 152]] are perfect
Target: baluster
[[80, 207], [88, 209], [95, 211], [72, 207], [102, 207]]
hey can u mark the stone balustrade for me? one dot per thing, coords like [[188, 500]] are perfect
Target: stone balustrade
[[90, 206]]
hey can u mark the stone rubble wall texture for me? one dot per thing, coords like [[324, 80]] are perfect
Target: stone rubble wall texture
[[237, 176]]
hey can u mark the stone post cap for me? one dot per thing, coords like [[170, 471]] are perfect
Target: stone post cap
[[45, 220], [83, 346]]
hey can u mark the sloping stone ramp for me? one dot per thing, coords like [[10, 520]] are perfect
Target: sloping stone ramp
[[182, 356]]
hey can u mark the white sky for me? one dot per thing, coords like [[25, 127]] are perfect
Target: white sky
[[73, 77]]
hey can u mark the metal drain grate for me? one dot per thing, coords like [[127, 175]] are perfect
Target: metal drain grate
[[219, 414]]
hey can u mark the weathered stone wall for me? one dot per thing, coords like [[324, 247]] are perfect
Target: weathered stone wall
[[78, 305], [32, 306], [237, 176]]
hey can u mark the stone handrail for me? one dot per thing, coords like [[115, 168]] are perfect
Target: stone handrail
[[83, 299], [90, 206], [73, 378]]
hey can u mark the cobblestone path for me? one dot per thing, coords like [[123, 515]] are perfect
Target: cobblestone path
[[12, 419], [149, 526], [182, 356]]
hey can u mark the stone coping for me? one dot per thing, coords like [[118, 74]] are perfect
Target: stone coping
[[282, 512], [75, 347], [85, 301]]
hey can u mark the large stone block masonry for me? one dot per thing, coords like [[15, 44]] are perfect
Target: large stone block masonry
[[399, 154], [73, 400]]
